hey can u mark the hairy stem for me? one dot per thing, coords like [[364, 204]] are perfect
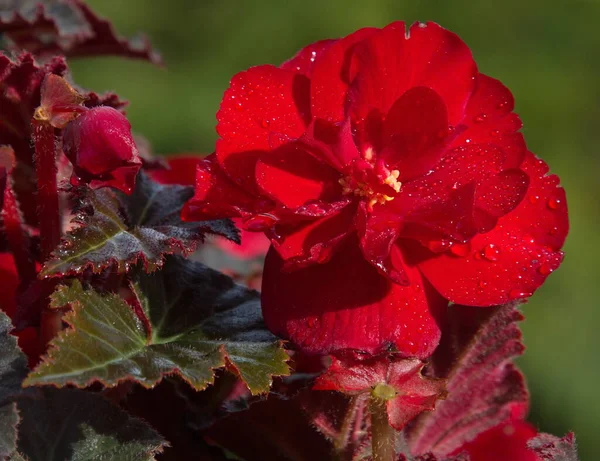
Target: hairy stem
[[48, 212], [383, 436]]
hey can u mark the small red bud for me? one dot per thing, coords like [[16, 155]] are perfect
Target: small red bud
[[103, 153]]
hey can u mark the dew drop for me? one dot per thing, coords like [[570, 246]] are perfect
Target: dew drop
[[480, 118], [502, 105], [438, 246], [553, 231], [460, 249], [259, 222], [491, 252], [518, 294], [533, 199], [494, 133], [554, 203], [265, 122], [545, 269], [482, 284]]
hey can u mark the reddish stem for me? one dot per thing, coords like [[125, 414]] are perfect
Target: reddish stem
[[47, 193], [383, 436], [48, 212]]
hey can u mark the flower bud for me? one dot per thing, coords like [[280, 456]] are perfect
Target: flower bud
[[103, 153]]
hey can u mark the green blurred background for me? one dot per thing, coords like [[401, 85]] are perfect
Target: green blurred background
[[547, 53]]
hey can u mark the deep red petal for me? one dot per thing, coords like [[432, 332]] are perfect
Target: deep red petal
[[502, 443], [414, 132], [216, 196], [305, 59], [353, 376], [292, 176], [490, 120], [180, 170], [260, 103], [253, 244], [388, 64], [513, 259], [378, 232], [330, 77], [346, 303], [315, 241]]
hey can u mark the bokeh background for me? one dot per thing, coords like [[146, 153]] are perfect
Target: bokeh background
[[547, 53]]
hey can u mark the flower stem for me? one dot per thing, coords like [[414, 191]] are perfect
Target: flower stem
[[383, 436], [48, 211]]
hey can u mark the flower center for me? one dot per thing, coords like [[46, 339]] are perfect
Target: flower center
[[383, 391], [370, 180]]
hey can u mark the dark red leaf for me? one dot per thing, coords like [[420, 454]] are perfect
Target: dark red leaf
[[551, 448], [484, 387], [70, 28]]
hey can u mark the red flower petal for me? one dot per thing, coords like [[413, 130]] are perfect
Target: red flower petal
[[292, 176], [330, 77], [315, 241], [505, 442], [180, 170], [391, 61], [513, 259], [260, 103], [415, 132], [216, 196], [305, 59], [253, 244], [489, 120], [347, 304], [378, 232]]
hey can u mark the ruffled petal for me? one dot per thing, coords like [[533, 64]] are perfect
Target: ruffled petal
[[378, 231], [261, 104], [292, 176], [347, 304], [331, 77], [315, 241], [217, 197], [305, 59], [391, 61], [512, 260], [490, 119], [415, 132]]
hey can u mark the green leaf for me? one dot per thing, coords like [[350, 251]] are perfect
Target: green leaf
[[199, 320], [69, 424], [120, 230], [13, 369]]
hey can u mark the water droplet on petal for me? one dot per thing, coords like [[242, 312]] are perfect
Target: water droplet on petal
[[265, 122], [480, 118], [438, 246], [518, 294], [554, 203], [533, 199], [259, 222], [494, 133], [482, 284], [545, 269], [460, 249], [491, 252]]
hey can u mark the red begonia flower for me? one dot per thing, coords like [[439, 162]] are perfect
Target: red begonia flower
[[381, 165], [100, 146], [505, 442]]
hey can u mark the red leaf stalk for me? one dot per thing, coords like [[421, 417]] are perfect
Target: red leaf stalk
[[48, 210]]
